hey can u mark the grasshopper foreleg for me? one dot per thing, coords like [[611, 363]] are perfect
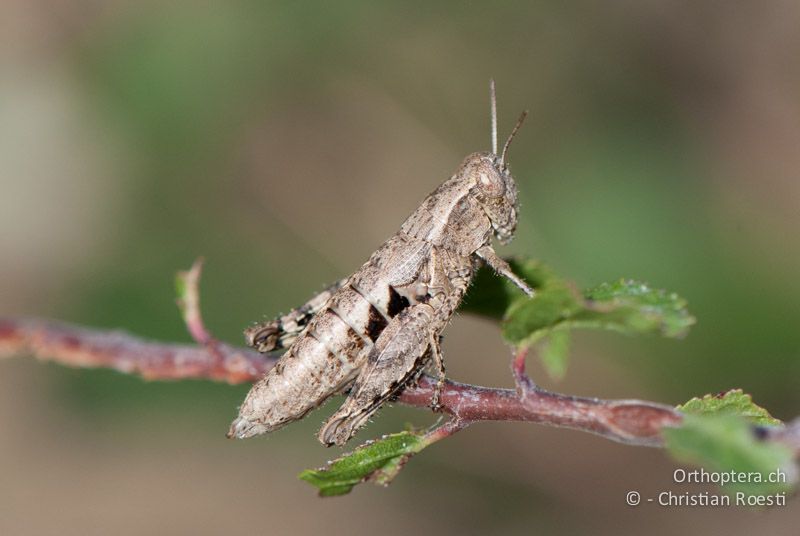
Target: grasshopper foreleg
[[490, 256]]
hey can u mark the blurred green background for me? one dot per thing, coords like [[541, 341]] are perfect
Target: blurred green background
[[284, 141]]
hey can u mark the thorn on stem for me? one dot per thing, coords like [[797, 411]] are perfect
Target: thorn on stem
[[188, 300]]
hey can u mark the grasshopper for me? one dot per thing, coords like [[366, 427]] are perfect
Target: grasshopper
[[375, 331]]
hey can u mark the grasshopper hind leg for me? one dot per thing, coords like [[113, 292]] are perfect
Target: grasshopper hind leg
[[433, 366], [398, 355]]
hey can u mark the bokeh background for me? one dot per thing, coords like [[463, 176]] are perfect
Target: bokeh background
[[284, 141]]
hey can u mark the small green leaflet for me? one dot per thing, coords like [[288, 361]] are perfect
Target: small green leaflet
[[717, 433], [634, 307], [735, 402], [726, 442], [554, 353], [376, 461], [626, 306]]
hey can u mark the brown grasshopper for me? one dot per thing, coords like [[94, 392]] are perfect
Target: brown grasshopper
[[375, 331]]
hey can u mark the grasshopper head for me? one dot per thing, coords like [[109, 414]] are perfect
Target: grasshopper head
[[496, 192]]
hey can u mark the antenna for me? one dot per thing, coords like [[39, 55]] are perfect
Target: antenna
[[493, 100], [511, 136]]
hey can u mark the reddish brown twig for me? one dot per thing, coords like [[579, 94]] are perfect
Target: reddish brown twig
[[628, 421], [74, 346], [634, 422]]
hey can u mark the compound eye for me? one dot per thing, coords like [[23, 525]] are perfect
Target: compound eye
[[490, 182]]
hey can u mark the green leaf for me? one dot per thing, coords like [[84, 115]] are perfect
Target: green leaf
[[634, 307], [625, 306], [527, 320], [377, 461], [555, 352], [724, 443], [734, 402]]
